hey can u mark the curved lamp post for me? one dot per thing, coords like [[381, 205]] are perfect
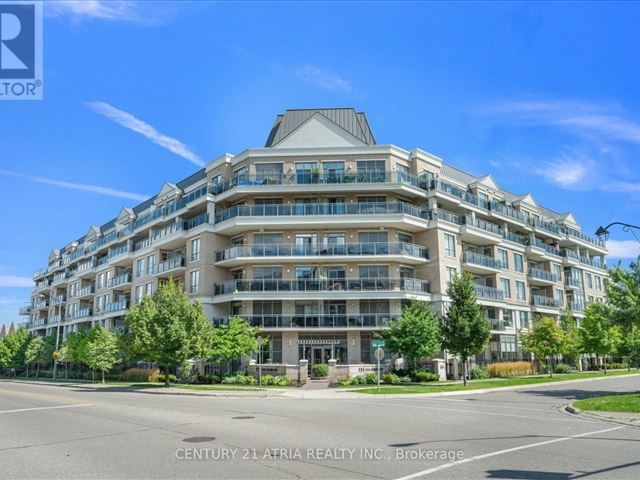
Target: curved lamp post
[[603, 232]]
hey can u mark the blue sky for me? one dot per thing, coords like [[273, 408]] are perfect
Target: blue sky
[[543, 96]]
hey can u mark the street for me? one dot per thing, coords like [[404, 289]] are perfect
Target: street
[[77, 432]]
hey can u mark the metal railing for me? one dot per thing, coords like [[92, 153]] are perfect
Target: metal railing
[[537, 243], [120, 280], [543, 301], [169, 264], [541, 274], [117, 306], [304, 209], [483, 260], [573, 282], [572, 232], [374, 320], [490, 293], [323, 285], [348, 249]]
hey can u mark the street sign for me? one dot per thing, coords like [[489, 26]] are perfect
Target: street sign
[[377, 343], [379, 354]]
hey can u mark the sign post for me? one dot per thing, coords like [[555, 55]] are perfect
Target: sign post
[[379, 353], [260, 360]]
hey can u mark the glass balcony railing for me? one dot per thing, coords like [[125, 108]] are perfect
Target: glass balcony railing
[[372, 320], [83, 267], [82, 313], [121, 279], [549, 227], [83, 292], [490, 293], [483, 260], [323, 285], [169, 264], [304, 209], [482, 225], [567, 253], [58, 299], [572, 232], [119, 250], [593, 262], [445, 215], [576, 307], [539, 244], [543, 301], [117, 306], [500, 325], [573, 282], [541, 274], [349, 249]]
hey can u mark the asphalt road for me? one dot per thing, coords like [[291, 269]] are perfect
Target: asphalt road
[[74, 432]]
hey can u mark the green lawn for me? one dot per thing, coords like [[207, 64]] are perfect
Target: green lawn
[[627, 402], [452, 386], [219, 386], [134, 385]]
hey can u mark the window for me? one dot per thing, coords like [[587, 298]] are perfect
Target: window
[[139, 293], [195, 249], [374, 271], [449, 245], [108, 277], [505, 286], [557, 269], [451, 273], [520, 291], [333, 172], [507, 317], [598, 283], [403, 172], [306, 172], [195, 281], [503, 255], [140, 267], [518, 262], [371, 170], [151, 263], [405, 238], [524, 319], [588, 280], [269, 172], [101, 280], [148, 289], [589, 298], [559, 295]]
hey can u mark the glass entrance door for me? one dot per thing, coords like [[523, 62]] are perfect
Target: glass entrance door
[[320, 355]]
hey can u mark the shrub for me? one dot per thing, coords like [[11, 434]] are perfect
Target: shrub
[[478, 372], [283, 381], [208, 379], [188, 373], [320, 370], [345, 381], [422, 376], [137, 375], [391, 378], [510, 369], [562, 368], [268, 380], [405, 379], [160, 378], [370, 378], [230, 380], [617, 366], [242, 379]]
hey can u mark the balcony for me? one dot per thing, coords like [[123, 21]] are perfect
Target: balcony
[[117, 251], [478, 263], [573, 282], [500, 325], [59, 278], [545, 227], [124, 279], [38, 322], [577, 307], [489, 293], [321, 252], [592, 262], [56, 318], [41, 304], [43, 285], [85, 269], [26, 310], [480, 232], [539, 250], [334, 286], [366, 214], [538, 276], [82, 313], [545, 302], [40, 273], [591, 241], [118, 306], [506, 211], [58, 299], [360, 321], [85, 292], [169, 265]]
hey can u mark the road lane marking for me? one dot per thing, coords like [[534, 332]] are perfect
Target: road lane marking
[[46, 408], [502, 452]]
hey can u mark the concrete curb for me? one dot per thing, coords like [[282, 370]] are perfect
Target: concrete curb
[[573, 410]]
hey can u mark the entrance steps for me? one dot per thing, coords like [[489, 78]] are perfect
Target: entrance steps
[[316, 384]]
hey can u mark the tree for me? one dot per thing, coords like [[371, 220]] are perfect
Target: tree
[[231, 340], [5, 355], [33, 353], [572, 344], [598, 334], [415, 334], [76, 347], [16, 344], [630, 347], [465, 328], [623, 295], [63, 355], [166, 328], [545, 340], [102, 350]]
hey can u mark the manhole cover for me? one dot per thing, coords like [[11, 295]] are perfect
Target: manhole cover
[[198, 439], [246, 417]]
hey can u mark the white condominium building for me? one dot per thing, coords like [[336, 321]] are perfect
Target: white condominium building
[[319, 238]]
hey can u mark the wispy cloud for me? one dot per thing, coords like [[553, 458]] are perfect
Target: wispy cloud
[[111, 192], [147, 13], [10, 281], [319, 77], [623, 248], [134, 124]]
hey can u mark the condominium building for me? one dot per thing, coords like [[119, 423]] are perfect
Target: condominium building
[[319, 238]]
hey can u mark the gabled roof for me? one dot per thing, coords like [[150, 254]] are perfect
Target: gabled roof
[[348, 119], [526, 198], [55, 253], [168, 189], [93, 233], [488, 182], [126, 215]]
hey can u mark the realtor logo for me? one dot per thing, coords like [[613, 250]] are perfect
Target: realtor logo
[[20, 50]]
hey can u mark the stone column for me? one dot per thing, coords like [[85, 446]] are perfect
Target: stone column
[[303, 371]]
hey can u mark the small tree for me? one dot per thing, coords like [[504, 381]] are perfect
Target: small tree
[[599, 336], [102, 350], [465, 328], [415, 334], [572, 344], [33, 353], [17, 343], [5, 355], [545, 340], [231, 340], [63, 355], [166, 328]]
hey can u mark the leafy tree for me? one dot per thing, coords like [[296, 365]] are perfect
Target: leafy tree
[[572, 344], [166, 328], [102, 350], [16, 344], [465, 328], [75, 344], [5, 355], [630, 347], [599, 336], [545, 340], [415, 334], [38, 352], [63, 355], [623, 295], [231, 341]]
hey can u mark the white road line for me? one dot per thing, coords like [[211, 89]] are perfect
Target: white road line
[[502, 452], [46, 408]]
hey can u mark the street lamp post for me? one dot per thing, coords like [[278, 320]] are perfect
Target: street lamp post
[[603, 232]]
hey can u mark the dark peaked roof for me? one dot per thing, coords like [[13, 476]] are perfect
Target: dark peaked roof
[[347, 118]]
